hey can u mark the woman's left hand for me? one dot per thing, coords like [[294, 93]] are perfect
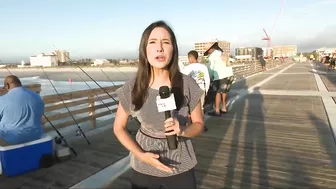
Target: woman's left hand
[[172, 127]]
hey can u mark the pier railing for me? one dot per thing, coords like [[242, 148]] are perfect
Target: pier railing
[[84, 105], [91, 104], [250, 68]]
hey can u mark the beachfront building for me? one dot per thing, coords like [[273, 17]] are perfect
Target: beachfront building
[[43, 60], [99, 62]]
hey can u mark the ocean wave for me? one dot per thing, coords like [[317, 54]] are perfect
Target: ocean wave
[[64, 86]]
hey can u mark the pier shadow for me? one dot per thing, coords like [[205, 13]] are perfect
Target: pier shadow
[[255, 141], [238, 139]]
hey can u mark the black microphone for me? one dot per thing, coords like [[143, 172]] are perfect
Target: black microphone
[[172, 139]]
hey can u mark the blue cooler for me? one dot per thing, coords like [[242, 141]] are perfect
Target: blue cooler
[[23, 158]]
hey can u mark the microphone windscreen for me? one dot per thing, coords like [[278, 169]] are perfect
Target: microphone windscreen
[[164, 91]]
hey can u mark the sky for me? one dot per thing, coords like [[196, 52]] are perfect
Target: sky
[[112, 29]]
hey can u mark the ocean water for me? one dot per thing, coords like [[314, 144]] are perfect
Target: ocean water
[[63, 86]]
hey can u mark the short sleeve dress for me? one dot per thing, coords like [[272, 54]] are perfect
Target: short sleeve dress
[[151, 137]]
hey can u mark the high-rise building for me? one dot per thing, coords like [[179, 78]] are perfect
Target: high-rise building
[[200, 47], [265, 51], [284, 51], [62, 55], [248, 53]]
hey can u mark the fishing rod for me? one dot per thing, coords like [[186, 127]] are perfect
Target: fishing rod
[[52, 125], [107, 77], [89, 85], [79, 128], [132, 118], [92, 90], [6, 67], [71, 61], [60, 135]]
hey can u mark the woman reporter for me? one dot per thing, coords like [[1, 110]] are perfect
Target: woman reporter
[[153, 163]]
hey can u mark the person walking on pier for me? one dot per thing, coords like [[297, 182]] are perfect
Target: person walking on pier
[[154, 165], [21, 112]]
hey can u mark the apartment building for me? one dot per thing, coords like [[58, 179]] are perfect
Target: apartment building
[[284, 51], [265, 49], [248, 53], [62, 55], [200, 47], [53, 59]]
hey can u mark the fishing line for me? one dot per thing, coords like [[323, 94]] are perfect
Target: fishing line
[[71, 61], [92, 90], [88, 85], [79, 128]]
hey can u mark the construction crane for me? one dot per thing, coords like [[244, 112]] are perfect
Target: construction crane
[[268, 37]]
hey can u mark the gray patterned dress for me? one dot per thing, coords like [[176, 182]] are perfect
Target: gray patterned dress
[[151, 137]]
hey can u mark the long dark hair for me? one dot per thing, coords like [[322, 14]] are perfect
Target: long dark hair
[[143, 75]]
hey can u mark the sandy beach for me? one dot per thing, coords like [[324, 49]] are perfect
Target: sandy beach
[[63, 74]]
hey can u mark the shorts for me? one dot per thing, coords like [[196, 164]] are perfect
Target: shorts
[[202, 100], [185, 180], [3, 142], [223, 85]]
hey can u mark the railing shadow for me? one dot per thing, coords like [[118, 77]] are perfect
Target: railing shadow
[[298, 174], [325, 136], [328, 77]]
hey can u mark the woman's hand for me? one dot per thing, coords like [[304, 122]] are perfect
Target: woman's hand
[[153, 160], [172, 127]]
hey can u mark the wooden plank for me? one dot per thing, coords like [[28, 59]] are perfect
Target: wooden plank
[[78, 94], [80, 120]]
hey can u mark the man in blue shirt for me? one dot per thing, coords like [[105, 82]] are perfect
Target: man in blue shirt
[[21, 111]]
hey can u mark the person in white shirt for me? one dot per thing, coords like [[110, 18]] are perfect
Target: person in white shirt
[[199, 72]]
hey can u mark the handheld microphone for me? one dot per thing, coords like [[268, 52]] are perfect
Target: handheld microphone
[[172, 139]]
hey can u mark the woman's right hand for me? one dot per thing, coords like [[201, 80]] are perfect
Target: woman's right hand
[[153, 160]]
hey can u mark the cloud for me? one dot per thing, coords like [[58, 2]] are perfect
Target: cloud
[[325, 38]]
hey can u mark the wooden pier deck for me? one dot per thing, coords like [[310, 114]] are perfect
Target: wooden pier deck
[[277, 134], [267, 140]]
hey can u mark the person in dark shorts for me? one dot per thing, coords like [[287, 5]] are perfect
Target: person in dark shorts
[[222, 75], [263, 63], [223, 85], [332, 63], [154, 165]]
